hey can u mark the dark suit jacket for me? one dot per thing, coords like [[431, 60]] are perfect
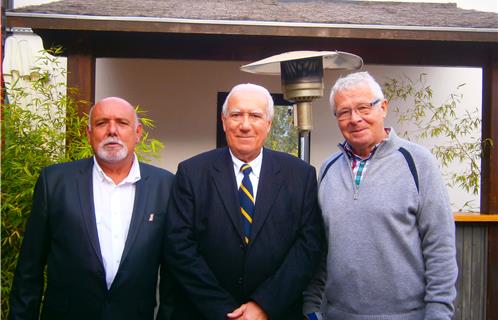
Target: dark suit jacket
[[61, 233], [216, 272]]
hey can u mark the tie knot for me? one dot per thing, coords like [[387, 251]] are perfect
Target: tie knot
[[246, 169]]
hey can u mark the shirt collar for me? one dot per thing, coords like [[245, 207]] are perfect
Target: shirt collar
[[255, 164], [133, 175], [349, 150]]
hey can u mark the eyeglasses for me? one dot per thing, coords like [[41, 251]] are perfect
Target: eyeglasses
[[361, 109]]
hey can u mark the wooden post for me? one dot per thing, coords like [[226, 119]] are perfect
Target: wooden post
[[81, 76], [489, 177]]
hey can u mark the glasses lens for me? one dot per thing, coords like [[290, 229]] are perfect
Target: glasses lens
[[363, 109]]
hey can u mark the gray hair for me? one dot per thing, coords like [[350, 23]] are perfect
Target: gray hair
[[136, 122], [255, 87], [354, 80]]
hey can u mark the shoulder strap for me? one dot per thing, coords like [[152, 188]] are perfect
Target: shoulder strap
[[411, 164], [328, 166]]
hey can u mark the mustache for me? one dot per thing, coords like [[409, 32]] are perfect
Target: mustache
[[109, 140]]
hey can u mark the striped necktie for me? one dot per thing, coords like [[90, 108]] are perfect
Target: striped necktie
[[246, 199]]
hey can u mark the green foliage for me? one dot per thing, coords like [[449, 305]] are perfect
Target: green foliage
[[148, 148], [429, 120], [283, 135], [41, 126]]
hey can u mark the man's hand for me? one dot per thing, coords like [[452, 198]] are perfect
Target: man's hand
[[248, 311]]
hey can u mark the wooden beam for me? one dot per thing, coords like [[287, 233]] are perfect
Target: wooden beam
[[318, 30], [81, 83], [81, 76], [489, 176], [251, 48]]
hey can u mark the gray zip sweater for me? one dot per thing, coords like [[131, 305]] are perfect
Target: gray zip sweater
[[392, 249]]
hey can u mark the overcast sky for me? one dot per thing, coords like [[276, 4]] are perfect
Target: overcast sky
[[481, 5]]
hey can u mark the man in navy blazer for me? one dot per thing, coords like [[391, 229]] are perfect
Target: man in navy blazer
[[223, 271], [97, 225]]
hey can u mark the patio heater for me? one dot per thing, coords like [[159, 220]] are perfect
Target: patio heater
[[301, 74]]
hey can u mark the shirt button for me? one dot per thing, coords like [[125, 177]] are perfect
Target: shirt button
[[241, 280]]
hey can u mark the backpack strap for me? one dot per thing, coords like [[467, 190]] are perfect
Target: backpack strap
[[411, 165], [328, 166]]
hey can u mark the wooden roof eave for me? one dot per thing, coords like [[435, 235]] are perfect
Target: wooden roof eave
[[59, 22]]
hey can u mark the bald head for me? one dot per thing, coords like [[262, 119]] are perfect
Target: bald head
[[113, 131], [112, 102]]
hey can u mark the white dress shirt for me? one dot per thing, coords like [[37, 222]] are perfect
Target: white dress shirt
[[113, 209], [253, 176]]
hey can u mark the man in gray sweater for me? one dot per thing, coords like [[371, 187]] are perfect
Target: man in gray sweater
[[391, 234]]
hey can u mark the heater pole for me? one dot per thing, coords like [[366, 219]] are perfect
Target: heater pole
[[304, 125], [304, 145]]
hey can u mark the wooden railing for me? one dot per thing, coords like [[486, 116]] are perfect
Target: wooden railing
[[475, 217]]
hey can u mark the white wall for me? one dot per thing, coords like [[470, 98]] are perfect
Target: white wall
[[186, 119]]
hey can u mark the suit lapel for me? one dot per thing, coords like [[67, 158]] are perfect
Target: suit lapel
[[137, 217], [226, 185], [136, 222], [270, 182], [85, 193]]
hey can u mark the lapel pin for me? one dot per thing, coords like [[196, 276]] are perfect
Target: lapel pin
[[151, 217]]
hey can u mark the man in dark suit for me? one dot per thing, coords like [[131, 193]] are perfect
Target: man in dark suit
[[244, 231], [97, 224]]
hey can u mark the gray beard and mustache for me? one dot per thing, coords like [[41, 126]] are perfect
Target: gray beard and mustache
[[112, 155]]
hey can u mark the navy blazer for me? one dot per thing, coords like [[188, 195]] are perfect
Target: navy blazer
[[62, 234], [215, 270]]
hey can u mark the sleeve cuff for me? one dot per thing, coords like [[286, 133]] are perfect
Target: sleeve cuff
[[437, 311]]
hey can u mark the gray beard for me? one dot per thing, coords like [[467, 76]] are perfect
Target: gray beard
[[112, 156]]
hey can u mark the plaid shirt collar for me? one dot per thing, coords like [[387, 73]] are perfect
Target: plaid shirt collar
[[356, 158], [350, 153]]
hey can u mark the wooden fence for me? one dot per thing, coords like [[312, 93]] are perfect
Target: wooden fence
[[471, 244]]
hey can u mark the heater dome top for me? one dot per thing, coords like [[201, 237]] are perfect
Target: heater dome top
[[331, 60]]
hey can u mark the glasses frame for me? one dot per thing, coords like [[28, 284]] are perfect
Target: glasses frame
[[348, 115]]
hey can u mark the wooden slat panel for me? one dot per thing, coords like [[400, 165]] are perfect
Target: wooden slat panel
[[478, 261], [492, 280], [459, 247], [466, 269], [471, 244]]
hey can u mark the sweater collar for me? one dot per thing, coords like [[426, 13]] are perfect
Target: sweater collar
[[383, 148]]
